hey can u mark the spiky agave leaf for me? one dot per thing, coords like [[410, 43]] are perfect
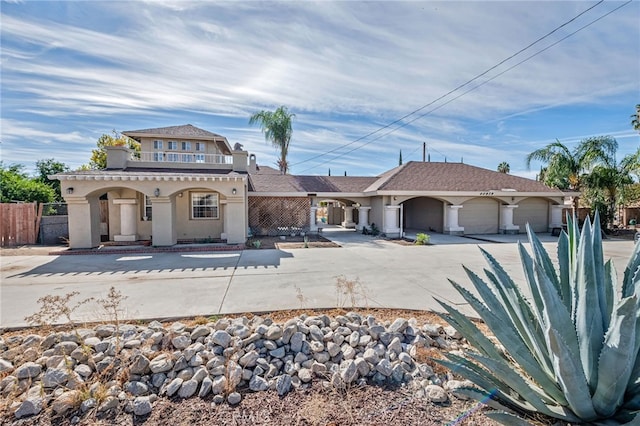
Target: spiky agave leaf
[[508, 419], [631, 279], [617, 358]]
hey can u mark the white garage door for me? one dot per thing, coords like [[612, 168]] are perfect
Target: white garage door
[[535, 212], [480, 216]]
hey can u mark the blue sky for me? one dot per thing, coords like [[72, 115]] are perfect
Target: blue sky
[[72, 71]]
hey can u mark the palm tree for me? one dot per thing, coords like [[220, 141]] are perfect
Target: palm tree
[[504, 167], [276, 126], [611, 179], [635, 118], [565, 169]]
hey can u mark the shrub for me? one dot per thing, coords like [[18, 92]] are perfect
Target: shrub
[[422, 239], [571, 352]]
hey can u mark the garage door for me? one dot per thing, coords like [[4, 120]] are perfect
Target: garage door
[[480, 216], [534, 211], [424, 214]]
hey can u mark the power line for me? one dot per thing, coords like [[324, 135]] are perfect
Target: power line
[[456, 89]]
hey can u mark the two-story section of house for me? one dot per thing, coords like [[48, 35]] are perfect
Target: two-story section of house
[[185, 184]]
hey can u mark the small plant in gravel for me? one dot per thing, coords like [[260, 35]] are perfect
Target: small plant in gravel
[[571, 351], [52, 308]]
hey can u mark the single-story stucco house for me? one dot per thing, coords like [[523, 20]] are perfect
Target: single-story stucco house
[[190, 184]]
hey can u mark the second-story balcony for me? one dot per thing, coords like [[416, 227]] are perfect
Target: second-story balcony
[[172, 157]]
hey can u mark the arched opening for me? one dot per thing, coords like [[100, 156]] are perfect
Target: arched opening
[[423, 214]]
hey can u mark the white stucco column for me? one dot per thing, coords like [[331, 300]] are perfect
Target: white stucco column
[[348, 217], [84, 222], [363, 217], [128, 219], [163, 227], [391, 223], [555, 219], [313, 225], [506, 219], [451, 221]]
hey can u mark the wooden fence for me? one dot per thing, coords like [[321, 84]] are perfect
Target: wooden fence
[[19, 223]]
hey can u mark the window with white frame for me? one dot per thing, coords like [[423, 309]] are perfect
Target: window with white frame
[[199, 158], [200, 146], [157, 144], [173, 157], [158, 156], [173, 145], [187, 158], [146, 208], [204, 205], [186, 146]]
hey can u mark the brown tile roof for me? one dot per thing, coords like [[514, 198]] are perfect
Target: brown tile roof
[[266, 170], [419, 176], [184, 131], [309, 184]]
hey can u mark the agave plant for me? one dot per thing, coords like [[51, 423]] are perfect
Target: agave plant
[[570, 351]]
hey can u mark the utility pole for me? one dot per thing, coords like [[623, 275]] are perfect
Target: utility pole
[[424, 152]]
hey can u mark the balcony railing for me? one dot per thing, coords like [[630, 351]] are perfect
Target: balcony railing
[[182, 157]]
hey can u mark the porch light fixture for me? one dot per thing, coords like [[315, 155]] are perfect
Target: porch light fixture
[[180, 195], [70, 190], [156, 192], [234, 191]]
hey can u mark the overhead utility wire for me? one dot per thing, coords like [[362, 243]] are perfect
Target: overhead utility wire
[[453, 90], [463, 93]]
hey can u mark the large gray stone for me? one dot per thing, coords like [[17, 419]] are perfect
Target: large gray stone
[[348, 371], [66, 402], [142, 406], [296, 341], [384, 367], [30, 407], [205, 387], [398, 325], [234, 398], [219, 385], [221, 338], [200, 331], [249, 359], [188, 388], [174, 386], [436, 393], [5, 366], [283, 384], [180, 342], [28, 370], [140, 365], [54, 377], [161, 363], [258, 384]]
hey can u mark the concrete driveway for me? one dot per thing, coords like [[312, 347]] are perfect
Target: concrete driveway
[[164, 285]]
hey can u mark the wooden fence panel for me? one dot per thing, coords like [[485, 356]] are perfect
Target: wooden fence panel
[[18, 224]]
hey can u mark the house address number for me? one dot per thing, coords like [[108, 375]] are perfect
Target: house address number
[[487, 193]]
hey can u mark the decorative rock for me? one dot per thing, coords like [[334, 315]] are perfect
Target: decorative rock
[[205, 387], [398, 326], [142, 406], [348, 371], [274, 332], [161, 364], [283, 384], [278, 353], [384, 367], [140, 365], [137, 388], [296, 341], [28, 370], [200, 331], [188, 388], [30, 407], [109, 403], [234, 398], [249, 359], [258, 384], [88, 404], [219, 385], [54, 377], [83, 370], [452, 332], [436, 394], [65, 402], [174, 386], [180, 342], [305, 375], [5, 366], [221, 338]]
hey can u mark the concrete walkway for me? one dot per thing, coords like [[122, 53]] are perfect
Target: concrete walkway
[[165, 285]]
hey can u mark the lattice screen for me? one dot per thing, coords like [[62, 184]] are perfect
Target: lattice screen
[[278, 215]]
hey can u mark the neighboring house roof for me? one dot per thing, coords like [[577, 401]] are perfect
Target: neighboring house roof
[[266, 170], [186, 131], [269, 183], [428, 176]]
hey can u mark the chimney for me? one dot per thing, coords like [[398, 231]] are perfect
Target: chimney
[[239, 160], [253, 167], [117, 157]]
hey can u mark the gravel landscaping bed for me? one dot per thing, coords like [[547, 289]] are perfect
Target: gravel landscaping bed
[[349, 368]]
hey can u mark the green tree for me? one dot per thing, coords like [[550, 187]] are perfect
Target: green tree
[[48, 167], [635, 119], [277, 129], [98, 159], [607, 182], [15, 185], [566, 169], [504, 167], [400, 159]]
